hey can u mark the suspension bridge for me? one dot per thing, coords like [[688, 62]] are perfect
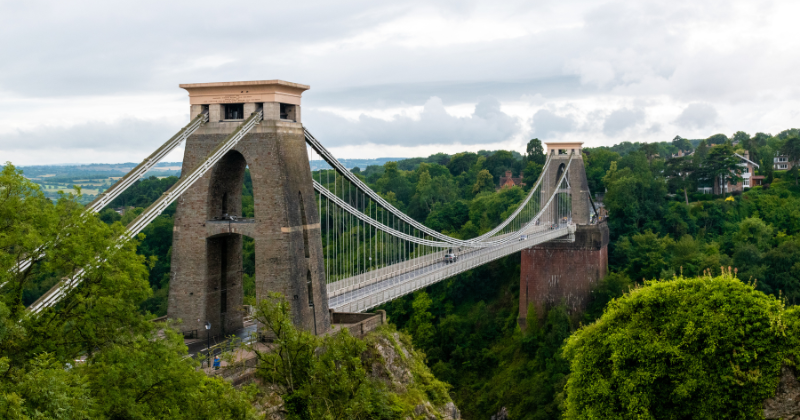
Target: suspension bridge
[[323, 238]]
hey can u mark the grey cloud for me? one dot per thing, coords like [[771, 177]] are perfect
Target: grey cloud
[[385, 95], [630, 49], [546, 123], [136, 135], [116, 47], [487, 124], [697, 115], [621, 119]]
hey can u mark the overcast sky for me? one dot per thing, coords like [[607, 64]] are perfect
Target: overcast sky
[[84, 82]]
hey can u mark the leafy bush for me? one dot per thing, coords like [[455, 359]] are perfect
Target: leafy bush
[[701, 348]]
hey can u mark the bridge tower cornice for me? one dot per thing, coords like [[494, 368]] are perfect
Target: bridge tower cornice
[[564, 149], [207, 267]]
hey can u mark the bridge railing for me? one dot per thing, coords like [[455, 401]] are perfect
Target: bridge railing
[[390, 291]]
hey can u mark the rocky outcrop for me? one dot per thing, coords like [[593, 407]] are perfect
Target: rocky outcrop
[[785, 405], [393, 362], [501, 415]]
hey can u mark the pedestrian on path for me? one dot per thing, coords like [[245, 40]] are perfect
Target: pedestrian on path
[[216, 362]]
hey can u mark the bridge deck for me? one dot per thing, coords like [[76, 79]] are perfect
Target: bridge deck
[[371, 295]]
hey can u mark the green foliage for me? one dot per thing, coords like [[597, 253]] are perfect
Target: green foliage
[[635, 198], [598, 162], [534, 152], [484, 182], [643, 254], [144, 192], [681, 143], [326, 377], [479, 349], [501, 161], [658, 348], [717, 139], [461, 162], [721, 166], [420, 325], [94, 355], [791, 149]]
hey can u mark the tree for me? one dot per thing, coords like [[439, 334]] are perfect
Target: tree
[[791, 149], [500, 162], [700, 153], [485, 182], [644, 255], [461, 162], [597, 164], [721, 166], [656, 349], [420, 325], [439, 158], [125, 369], [682, 144], [741, 138], [634, 198], [680, 169], [716, 139], [393, 180], [650, 150], [534, 152], [532, 172], [321, 377]]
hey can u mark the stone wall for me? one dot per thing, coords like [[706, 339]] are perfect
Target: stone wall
[[359, 324], [556, 272], [285, 230]]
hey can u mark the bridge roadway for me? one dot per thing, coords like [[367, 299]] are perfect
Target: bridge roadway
[[363, 296]]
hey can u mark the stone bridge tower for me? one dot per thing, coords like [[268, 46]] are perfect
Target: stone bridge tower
[[206, 276], [560, 271]]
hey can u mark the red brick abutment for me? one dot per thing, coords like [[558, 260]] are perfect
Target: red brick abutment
[[563, 272]]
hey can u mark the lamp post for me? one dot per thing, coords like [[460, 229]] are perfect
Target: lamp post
[[208, 342]]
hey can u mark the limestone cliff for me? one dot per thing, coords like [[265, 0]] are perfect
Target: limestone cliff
[[392, 362], [785, 404]]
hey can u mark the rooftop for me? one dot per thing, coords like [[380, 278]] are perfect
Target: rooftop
[[255, 91]]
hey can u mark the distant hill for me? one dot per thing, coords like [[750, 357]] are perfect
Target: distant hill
[[92, 178], [353, 163]]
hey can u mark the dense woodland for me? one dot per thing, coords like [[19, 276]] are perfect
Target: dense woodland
[[660, 227]]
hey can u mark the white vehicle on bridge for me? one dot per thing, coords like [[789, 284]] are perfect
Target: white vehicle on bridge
[[450, 258]]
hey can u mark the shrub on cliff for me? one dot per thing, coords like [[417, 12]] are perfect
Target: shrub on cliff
[[701, 348]]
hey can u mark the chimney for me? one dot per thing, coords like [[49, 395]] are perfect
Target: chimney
[[508, 174]]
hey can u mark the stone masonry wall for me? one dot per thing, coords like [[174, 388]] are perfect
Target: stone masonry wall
[[556, 272], [275, 152]]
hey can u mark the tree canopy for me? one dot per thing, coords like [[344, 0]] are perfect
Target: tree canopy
[[94, 355], [701, 348]]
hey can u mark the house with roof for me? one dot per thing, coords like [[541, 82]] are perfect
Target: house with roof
[[509, 181], [781, 162], [747, 173], [682, 153]]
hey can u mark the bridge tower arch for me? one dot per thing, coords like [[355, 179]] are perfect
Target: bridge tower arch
[[206, 273], [565, 271]]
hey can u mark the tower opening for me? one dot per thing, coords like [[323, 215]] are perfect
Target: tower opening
[[304, 222], [289, 112], [310, 288], [560, 172], [234, 111], [223, 278], [225, 189]]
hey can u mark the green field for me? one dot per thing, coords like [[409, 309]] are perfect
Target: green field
[[92, 179]]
